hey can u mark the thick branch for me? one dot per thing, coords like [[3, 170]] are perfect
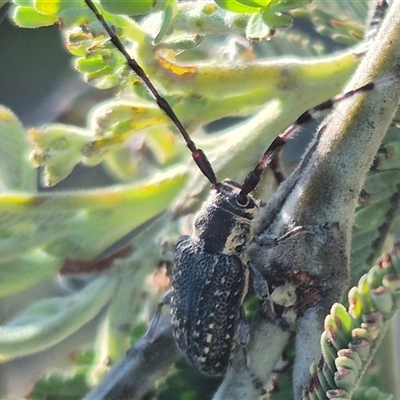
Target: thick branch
[[325, 188]]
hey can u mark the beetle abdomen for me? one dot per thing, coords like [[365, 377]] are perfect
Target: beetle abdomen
[[207, 293]]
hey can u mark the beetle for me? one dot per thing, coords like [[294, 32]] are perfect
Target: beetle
[[210, 278], [211, 274]]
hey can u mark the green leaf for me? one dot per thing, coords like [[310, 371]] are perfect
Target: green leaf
[[47, 7], [57, 386], [257, 29], [16, 174], [58, 148], [237, 6], [133, 7], [24, 272], [254, 3], [276, 20], [49, 321], [166, 19], [81, 224], [27, 17], [24, 3]]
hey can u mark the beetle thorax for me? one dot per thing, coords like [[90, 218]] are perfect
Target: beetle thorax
[[223, 225]]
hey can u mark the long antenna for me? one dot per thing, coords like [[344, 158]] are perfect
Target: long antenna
[[252, 179], [198, 155]]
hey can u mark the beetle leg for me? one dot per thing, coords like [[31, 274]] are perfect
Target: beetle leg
[[260, 284], [270, 242], [156, 317], [243, 330]]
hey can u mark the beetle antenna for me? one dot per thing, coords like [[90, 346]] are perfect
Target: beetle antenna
[[198, 155], [252, 179]]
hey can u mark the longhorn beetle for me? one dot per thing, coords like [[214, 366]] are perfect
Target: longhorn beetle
[[211, 268]]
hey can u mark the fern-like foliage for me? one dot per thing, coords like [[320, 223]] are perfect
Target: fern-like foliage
[[352, 336]]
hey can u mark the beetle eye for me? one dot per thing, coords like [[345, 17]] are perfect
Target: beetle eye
[[239, 249], [244, 204]]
